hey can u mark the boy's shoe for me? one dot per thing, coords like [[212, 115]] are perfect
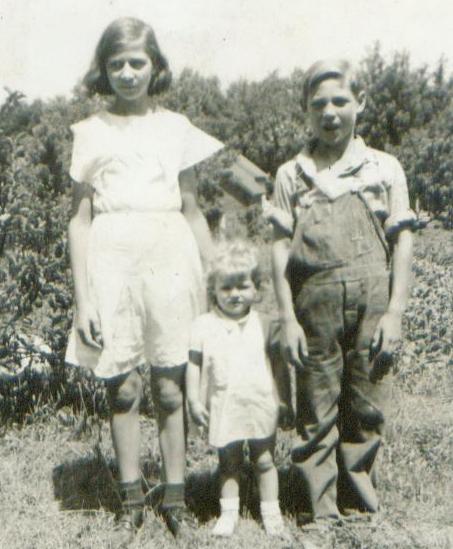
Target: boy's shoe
[[226, 524], [179, 520]]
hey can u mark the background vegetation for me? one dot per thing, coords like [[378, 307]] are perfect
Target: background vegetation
[[50, 416]]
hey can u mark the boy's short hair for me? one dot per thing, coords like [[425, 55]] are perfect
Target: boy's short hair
[[329, 68], [231, 257]]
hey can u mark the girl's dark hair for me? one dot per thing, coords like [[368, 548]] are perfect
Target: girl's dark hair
[[118, 35]]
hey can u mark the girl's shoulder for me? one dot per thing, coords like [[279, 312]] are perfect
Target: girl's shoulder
[[88, 124]]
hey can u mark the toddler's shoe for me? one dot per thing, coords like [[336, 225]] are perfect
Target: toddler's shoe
[[273, 520], [229, 517]]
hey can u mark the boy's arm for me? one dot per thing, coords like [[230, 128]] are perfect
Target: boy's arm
[[193, 214], [388, 331], [293, 341]]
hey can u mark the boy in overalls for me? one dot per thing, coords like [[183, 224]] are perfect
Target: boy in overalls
[[341, 264]]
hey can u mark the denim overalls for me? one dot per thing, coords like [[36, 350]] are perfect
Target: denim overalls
[[339, 277]]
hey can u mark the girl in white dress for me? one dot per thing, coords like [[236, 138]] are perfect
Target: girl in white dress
[[133, 237], [230, 384]]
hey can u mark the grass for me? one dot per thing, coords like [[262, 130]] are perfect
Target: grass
[[56, 478]]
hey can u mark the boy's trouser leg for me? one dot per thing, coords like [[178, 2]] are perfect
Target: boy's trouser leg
[[362, 406], [318, 388], [319, 310]]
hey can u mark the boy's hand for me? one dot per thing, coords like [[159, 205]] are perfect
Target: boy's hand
[[387, 333], [293, 342], [88, 326], [199, 413], [384, 344]]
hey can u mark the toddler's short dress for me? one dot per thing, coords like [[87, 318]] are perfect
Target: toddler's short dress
[[237, 385], [143, 265]]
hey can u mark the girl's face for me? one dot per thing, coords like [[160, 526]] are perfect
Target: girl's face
[[235, 293], [332, 109], [129, 73]]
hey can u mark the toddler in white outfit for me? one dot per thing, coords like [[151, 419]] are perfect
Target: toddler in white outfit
[[230, 383]]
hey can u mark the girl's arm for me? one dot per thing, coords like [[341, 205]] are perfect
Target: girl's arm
[[198, 412], [87, 324], [193, 214], [293, 341], [388, 331]]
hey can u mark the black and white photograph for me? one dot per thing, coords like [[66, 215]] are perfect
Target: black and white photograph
[[226, 263]]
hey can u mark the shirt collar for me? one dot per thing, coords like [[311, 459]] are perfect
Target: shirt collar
[[231, 323], [328, 181]]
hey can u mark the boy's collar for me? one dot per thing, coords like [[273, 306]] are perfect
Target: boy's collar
[[353, 160], [332, 182]]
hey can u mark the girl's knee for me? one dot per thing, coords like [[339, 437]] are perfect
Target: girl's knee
[[125, 393], [168, 396]]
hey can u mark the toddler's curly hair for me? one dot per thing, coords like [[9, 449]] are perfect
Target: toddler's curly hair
[[231, 257]]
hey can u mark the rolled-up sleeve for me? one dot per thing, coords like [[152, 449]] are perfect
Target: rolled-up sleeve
[[279, 210], [400, 214]]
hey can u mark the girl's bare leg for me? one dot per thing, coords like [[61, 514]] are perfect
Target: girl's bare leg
[[124, 394]]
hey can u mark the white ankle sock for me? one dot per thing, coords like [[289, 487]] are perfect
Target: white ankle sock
[[229, 516], [272, 518]]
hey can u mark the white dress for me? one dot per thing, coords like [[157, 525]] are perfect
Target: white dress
[[143, 265], [237, 385]]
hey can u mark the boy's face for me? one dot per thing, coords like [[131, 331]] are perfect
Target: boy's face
[[332, 109]]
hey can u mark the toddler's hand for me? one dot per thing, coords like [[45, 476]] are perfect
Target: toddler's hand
[[199, 413], [293, 342], [286, 419], [88, 326]]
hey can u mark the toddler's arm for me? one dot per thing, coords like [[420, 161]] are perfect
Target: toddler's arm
[[388, 331], [293, 341], [193, 214], [197, 410], [87, 323]]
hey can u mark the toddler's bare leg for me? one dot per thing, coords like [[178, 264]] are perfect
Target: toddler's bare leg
[[262, 457]]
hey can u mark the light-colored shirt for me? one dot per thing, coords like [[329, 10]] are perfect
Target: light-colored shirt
[[376, 174], [133, 162], [237, 384]]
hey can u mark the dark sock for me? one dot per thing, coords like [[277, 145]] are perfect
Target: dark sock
[[174, 495], [131, 493]]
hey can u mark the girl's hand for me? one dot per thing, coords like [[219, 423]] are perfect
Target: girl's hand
[[384, 344], [293, 342], [88, 326], [199, 413]]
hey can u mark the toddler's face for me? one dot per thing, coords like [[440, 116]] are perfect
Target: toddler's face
[[332, 109], [235, 293], [129, 73]]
